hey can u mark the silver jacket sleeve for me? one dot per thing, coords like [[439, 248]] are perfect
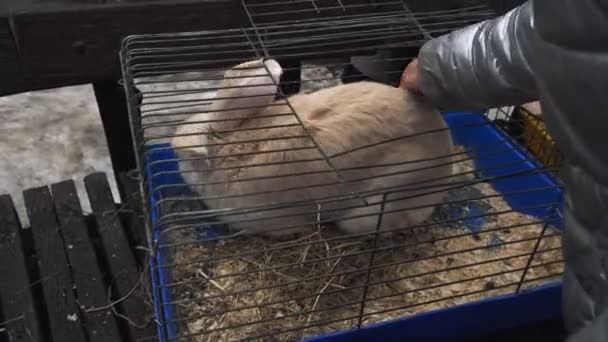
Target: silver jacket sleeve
[[480, 66]]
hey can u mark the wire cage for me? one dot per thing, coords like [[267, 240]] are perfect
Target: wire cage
[[274, 216]]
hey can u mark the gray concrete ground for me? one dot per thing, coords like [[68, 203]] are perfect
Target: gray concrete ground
[[50, 136]]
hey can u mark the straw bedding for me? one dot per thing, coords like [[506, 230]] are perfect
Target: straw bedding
[[316, 283]]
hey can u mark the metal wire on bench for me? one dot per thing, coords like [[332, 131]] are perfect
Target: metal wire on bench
[[496, 231]]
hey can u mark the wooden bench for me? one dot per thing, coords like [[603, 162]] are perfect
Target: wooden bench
[[73, 276]]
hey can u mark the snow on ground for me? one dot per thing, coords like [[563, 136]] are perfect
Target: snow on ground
[[49, 136]]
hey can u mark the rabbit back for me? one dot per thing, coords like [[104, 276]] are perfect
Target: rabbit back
[[352, 122]]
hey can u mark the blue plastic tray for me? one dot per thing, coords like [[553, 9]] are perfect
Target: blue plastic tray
[[494, 153]]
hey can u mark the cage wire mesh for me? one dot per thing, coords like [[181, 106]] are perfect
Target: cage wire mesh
[[279, 216], [526, 124]]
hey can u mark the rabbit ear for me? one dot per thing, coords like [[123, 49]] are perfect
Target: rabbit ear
[[246, 90], [260, 72]]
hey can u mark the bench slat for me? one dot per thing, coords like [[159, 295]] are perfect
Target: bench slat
[[63, 311], [17, 300], [91, 292], [135, 216], [121, 260]]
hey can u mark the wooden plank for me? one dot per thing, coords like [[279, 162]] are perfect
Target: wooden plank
[[83, 44], [120, 258], [136, 226], [285, 10], [8, 52], [10, 70], [18, 311], [112, 105], [99, 324], [8, 7], [63, 311]]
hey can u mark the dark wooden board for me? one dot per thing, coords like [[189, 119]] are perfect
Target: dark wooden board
[[100, 325], [83, 44], [8, 7], [119, 256], [63, 311], [134, 215], [15, 291], [112, 104], [10, 71]]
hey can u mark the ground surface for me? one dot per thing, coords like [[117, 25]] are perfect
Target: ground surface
[[49, 136]]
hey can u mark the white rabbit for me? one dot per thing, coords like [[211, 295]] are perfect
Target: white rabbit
[[340, 119]]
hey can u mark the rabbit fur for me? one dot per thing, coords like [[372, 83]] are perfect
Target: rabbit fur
[[340, 119]]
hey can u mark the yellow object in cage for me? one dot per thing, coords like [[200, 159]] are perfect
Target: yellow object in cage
[[537, 139]]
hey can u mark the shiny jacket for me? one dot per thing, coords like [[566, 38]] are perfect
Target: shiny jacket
[[555, 51]]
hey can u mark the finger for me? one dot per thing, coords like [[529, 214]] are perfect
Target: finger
[[408, 77], [408, 80]]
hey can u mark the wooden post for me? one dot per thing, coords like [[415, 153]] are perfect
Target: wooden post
[[112, 106]]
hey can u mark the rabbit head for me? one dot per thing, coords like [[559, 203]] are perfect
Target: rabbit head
[[246, 89]]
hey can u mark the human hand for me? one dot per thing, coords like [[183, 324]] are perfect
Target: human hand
[[409, 78]]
